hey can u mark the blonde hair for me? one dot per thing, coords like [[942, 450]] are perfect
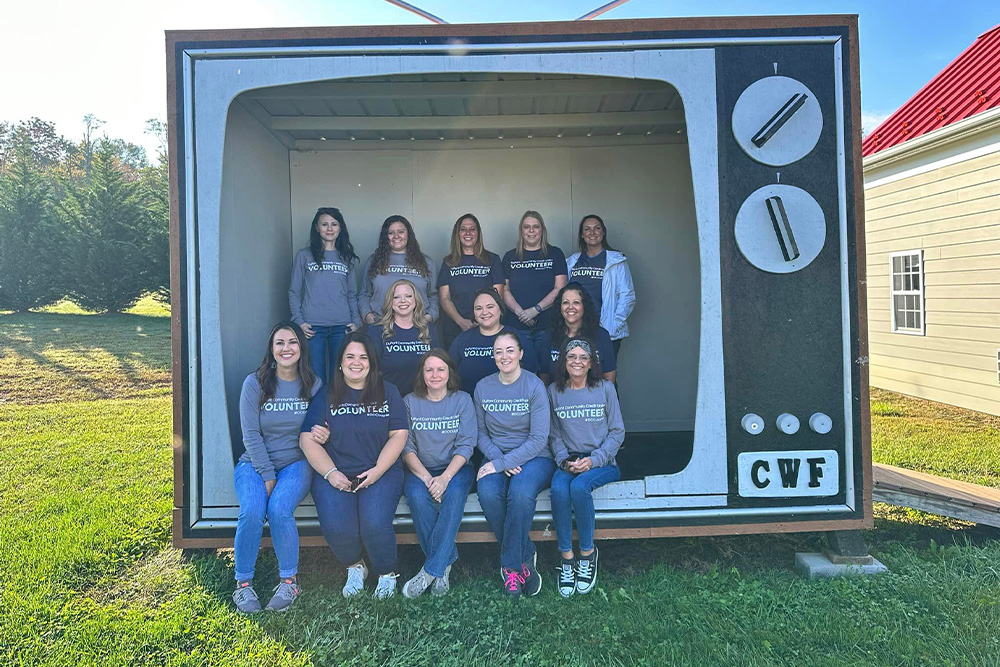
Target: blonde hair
[[520, 234], [421, 319], [454, 256]]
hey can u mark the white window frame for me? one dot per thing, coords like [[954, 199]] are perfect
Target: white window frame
[[919, 293]]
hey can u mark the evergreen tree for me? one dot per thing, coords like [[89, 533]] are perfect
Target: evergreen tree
[[31, 246], [156, 194], [114, 235]]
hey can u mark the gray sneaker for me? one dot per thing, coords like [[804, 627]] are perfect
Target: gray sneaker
[[285, 593], [386, 586], [416, 586], [245, 598], [441, 585]]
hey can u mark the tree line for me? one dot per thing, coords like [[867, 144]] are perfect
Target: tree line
[[85, 220]]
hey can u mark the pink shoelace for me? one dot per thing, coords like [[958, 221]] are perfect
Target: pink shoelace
[[514, 578]]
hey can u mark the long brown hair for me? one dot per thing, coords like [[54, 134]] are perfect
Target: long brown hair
[[520, 234], [414, 257], [267, 372], [560, 378], [374, 392], [455, 253], [421, 320], [420, 387]]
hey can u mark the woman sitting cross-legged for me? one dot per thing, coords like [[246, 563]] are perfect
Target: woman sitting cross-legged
[[358, 478], [438, 448], [272, 477], [513, 421], [587, 431]]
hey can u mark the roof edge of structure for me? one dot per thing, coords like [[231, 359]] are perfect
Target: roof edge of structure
[[962, 129]]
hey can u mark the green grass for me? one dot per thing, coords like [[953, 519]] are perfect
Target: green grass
[[87, 575]]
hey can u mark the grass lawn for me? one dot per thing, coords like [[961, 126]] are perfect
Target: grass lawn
[[87, 575]]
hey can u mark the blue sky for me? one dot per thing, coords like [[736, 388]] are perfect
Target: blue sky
[[62, 59]]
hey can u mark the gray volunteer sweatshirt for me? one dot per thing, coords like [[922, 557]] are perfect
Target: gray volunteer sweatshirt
[[513, 420], [323, 295], [271, 431], [441, 430], [587, 421], [373, 289]]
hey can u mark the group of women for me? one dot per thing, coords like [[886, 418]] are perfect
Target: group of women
[[397, 414]]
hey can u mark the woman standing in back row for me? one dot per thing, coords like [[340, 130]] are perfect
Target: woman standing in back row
[[535, 272], [468, 268], [604, 273], [398, 256], [323, 292]]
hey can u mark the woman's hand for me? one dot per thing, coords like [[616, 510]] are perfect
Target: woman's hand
[[370, 318], [339, 481], [308, 330], [528, 315], [350, 328], [487, 469], [581, 465], [320, 434], [437, 486], [368, 477], [269, 485], [512, 471]]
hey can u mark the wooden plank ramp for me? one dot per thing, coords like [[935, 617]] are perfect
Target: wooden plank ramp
[[937, 495]]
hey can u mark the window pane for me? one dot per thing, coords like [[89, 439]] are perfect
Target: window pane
[[917, 320], [908, 282], [916, 281], [897, 264], [910, 319], [906, 263], [897, 282]]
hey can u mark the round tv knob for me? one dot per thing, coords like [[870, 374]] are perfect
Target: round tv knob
[[788, 424], [821, 423], [752, 423]]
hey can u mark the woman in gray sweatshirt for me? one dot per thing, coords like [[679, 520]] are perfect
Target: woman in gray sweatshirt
[[323, 293], [587, 431], [398, 256], [438, 448], [272, 477], [513, 416]]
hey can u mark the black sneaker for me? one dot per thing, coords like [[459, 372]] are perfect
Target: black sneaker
[[567, 577], [532, 580], [513, 581], [586, 573]]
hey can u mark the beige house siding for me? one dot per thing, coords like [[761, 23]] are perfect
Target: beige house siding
[[952, 213]]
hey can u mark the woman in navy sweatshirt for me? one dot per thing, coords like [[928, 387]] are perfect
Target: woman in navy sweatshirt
[[357, 475], [403, 334]]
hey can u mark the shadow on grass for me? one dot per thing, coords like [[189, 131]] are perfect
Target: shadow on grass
[[82, 357]]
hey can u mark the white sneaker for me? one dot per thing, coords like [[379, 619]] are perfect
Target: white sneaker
[[386, 586], [356, 575]]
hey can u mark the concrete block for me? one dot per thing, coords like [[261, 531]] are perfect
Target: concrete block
[[814, 565]]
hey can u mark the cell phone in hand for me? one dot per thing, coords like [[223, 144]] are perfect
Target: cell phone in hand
[[572, 458], [355, 482]]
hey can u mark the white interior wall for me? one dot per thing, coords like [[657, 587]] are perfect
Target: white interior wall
[[254, 264], [644, 194]]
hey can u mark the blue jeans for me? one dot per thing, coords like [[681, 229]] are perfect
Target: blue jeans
[[573, 494], [290, 488], [437, 523], [509, 505], [323, 346], [350, 519]]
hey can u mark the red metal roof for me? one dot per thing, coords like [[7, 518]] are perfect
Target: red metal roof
[[969, 85]]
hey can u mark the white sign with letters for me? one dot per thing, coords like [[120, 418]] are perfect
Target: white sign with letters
[[788, 474]]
